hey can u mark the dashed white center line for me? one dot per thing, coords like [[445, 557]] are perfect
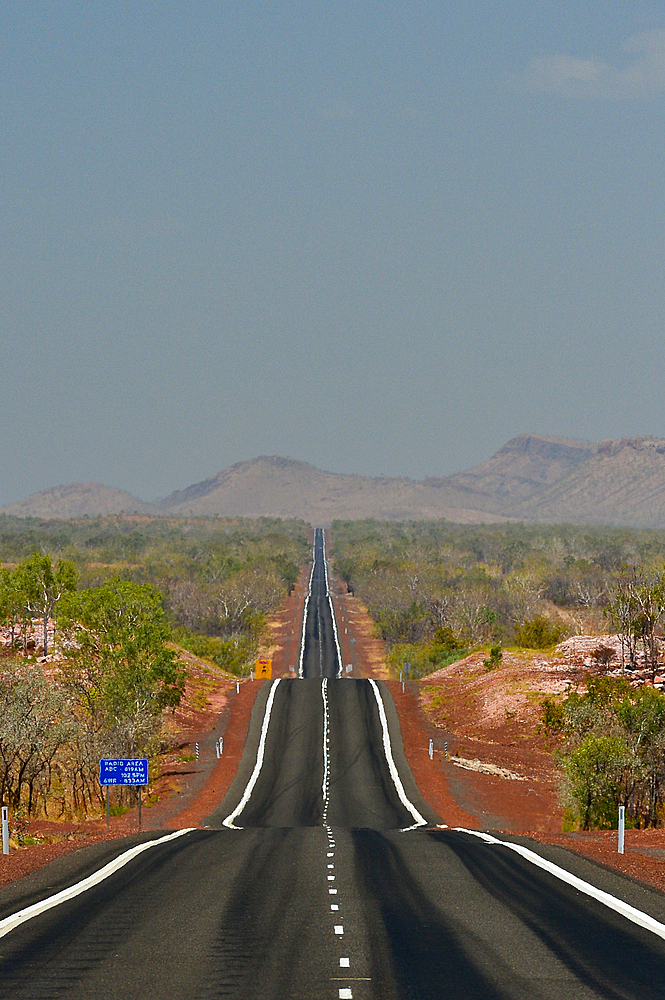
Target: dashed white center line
[[345, 992], [325, 787]]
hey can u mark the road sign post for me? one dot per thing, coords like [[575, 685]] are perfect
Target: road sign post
[[123, 771]]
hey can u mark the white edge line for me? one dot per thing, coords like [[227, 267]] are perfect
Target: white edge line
[[301, 667], [324, 787], [304, 615], [394, 773], [21, 916], [249, 788], [340, 665], [607, 899], [339, 651]]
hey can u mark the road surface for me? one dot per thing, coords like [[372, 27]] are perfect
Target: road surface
[[320, 655], [324, 874]]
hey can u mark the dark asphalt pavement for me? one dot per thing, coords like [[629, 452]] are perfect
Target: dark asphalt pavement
[[320, 653], [318, 893]]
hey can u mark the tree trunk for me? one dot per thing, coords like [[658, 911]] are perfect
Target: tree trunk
[[587, 814]]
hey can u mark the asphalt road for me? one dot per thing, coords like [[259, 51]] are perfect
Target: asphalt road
[[323, 875], [320, 653]]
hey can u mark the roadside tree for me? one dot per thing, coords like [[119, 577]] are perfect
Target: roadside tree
[[42, 586], [117, 662]]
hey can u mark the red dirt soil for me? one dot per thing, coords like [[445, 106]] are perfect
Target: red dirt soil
[[225, 769], [282, 643], [430, 779]]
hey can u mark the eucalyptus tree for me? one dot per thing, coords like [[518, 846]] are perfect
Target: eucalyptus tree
[[35, 724], [11, 600], [117, 662], [637, 611], [42, 585]]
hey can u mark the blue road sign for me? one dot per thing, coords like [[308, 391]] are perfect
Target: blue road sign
[[123, 771]]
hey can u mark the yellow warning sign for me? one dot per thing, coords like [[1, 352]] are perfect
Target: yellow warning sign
[[263, 669]]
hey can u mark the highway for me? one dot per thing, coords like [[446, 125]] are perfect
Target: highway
[[320, 654], [324, 874]]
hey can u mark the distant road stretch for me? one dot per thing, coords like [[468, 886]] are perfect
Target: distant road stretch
[[320, 655], [324, 874]]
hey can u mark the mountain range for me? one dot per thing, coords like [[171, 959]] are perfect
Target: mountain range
[[532, 478]]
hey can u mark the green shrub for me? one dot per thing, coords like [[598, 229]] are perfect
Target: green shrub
[[597, 771], [538, 633], [424, 658], [236, 655], [494, 659], [553, 715]]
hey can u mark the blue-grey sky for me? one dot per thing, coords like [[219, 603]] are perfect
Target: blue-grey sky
[[382, 238]]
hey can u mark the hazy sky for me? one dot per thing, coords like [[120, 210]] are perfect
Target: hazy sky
[[379, 237]]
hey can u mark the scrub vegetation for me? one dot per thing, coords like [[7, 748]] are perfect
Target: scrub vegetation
[[441, 589], [91, 611], [612, 752], [437, 591]]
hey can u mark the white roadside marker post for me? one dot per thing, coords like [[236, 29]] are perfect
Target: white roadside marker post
[[5, 830], [622, 826], [237, 687], [431, 749]]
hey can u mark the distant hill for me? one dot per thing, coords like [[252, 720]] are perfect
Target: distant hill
[[78, 500], [283, 487], [623, 482], [532, 478], [523, 468]]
